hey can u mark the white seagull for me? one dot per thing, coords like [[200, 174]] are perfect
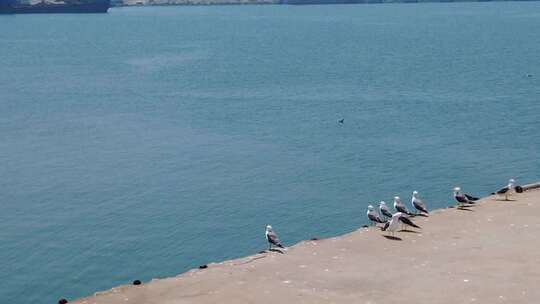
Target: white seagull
[[463, 198], [384, 210], [400, 207], [417, 203], [511, 188], [272, 238], [373, 216], [397, 219]]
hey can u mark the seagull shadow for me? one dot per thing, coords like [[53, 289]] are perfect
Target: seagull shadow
[[464, 209], [408, 231], [421, 214], [393, 238]]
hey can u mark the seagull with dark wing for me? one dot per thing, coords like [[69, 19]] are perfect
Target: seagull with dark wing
[[400, 207], [272, 238], [417, 203], [397, 219], [510, 189], [373, 216], [393, 225], [383, 209], [463, 198], [407, 221]]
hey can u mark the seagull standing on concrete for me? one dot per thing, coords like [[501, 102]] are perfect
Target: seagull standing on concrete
[[417, 203], [400, 207], [384, 210], [397, 219], [393, 225], [463, 198], [272, 238], [510, 189], [373, 216], [407, 221]]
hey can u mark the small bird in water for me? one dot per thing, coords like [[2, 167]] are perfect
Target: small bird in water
[[400, 207], [384, 210], [272, 238], [373, 216], [510, 189], [463, 198], [417, 203], [341, 120]]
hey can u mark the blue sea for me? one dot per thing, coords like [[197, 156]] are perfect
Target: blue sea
[[142, 143]]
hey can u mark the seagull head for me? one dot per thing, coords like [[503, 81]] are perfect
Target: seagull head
[[457, 189], [396, 199], [382, 203], [268, 228], [511, 181], [414, 193], [370, 208], [397, 215]]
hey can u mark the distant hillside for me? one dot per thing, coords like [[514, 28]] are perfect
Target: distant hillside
[[189, 2]]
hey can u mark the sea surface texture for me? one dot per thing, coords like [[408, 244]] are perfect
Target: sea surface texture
[[144, 142]]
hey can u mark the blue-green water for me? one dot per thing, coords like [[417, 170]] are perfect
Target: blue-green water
[[147, 141]]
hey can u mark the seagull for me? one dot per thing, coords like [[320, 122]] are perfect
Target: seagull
[[397, 219], [373, 216], [272, 238], [384, 210], [405, 220], [393, 225], [400, 207], [510, 189], [417, 203], [463, 198]]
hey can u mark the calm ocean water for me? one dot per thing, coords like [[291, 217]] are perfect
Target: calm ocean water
[[142, 143]]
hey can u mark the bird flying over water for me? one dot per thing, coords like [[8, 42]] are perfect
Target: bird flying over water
[[417, 203], [463, 198], [373, 216], [272, 238], [400, 207], [384, 210]]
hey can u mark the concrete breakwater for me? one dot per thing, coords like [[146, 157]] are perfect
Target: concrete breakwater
[[457, 257]]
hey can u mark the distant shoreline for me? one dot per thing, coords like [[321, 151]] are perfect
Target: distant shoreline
[[298, 2]]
